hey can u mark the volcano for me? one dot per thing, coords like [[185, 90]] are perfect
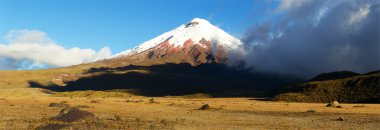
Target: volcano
[[189, 59], [195, 42]]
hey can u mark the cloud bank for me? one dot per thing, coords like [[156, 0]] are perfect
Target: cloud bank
[[33, 49], [310, 37]]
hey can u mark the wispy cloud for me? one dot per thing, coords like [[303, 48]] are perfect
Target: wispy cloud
[[29, 49]]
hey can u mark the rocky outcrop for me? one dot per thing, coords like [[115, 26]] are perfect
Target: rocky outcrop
[[192, 53]]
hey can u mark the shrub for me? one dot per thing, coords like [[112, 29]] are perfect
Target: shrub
[[61, 104]]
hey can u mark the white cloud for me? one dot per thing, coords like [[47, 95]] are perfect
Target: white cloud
[[35, 46], [289, 4], [319, 15], [359, 15]]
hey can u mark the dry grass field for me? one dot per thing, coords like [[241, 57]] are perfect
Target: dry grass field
[[135, 112], [23, 107]]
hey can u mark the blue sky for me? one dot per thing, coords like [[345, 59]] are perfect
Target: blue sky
[[121, 24], [283, 34]]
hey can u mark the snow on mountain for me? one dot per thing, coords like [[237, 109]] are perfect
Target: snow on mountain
[[195, 30]]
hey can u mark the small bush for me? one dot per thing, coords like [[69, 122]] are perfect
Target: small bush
[[164, 122], [117, 117], [153, 100], [61, 104], [94, 101], [311, 111], [134, 101]]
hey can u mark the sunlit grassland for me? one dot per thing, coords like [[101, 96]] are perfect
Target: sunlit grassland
[[183, 113]]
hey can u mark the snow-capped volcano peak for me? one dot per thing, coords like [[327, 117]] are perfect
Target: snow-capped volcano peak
[[195, 30]]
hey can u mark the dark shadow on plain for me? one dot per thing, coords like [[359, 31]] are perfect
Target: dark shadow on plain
[[217, 80]]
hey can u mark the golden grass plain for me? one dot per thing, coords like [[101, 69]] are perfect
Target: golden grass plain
[[22, 107], [32, 112]]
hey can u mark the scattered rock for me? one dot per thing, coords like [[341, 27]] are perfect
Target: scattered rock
[[66, 110], [47, 91], [204, 107], [152, 100], [129, 100], [94, 101], [334, 104], [340, 119], [72, 114], [311, 111], [135, 101], [191, 24]]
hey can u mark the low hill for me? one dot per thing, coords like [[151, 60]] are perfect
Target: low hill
[[363, 88], [334, 75]]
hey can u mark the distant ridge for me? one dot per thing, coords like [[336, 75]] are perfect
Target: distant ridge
[[334, 75]]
